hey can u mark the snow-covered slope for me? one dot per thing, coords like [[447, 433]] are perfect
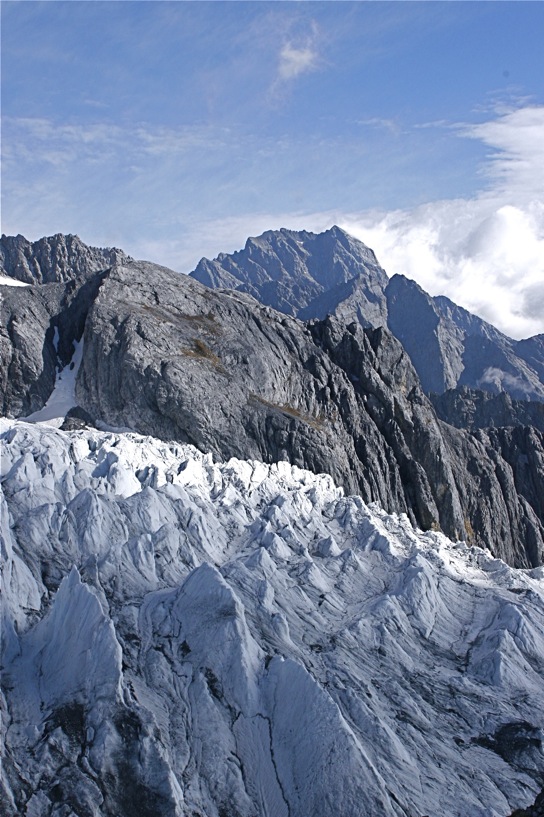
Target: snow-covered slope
[[190, 638]]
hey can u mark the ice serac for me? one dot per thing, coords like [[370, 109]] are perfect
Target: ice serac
[[311, 276], [242, 639]]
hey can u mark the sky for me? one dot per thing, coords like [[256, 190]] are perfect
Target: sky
[[175, 130]]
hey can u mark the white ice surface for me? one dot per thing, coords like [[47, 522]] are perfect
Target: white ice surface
[[283, 650], [5, 281]]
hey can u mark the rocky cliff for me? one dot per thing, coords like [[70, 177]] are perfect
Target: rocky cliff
[[472, 408], [40, 321]]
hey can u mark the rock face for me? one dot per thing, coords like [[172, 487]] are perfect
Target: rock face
[[38, 327], [184, 638], [311, 276], [39, 323], [536, 810], [471, 409], [304, 275]]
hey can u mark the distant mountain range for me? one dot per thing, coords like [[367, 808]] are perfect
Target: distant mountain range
[[311, 276]]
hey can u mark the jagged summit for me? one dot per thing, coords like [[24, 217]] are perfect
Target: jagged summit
[[54, 259], [302, 273]]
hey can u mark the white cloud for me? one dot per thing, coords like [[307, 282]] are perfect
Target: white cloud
[[502, 380], [485, 253], [294, 60], [517, 167], [297, 55]]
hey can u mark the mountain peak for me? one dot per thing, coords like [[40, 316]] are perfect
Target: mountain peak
[[54, 259], [293, 271]]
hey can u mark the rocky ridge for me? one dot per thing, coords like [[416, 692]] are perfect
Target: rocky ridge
[[54, 259]]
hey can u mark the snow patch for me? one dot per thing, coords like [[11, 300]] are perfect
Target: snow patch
[[63, 396]]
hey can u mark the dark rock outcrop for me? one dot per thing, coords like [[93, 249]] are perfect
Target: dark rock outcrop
[[38, 327], [536, 810], [472, 408], [39, 323]]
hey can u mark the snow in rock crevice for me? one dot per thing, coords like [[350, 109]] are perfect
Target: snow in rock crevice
[[240, 638], [63, 396]]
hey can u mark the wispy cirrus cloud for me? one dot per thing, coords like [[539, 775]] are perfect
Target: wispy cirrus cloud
[[297, 59], [516, 168], [297, 55]]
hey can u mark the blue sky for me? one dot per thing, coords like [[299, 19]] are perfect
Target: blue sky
[[177, 129]]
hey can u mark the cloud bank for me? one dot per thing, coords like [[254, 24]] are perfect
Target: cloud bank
[[485, 253]]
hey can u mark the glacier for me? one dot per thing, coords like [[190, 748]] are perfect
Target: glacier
[[234, 639]]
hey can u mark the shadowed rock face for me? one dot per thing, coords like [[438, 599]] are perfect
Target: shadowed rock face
[[311, 276], [39, 323], [471, 409], [536, 810], [169, 357]]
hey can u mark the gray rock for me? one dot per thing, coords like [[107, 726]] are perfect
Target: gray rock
[[304, 274], [168, 357], [472, 408], [56, 259], [38, 325], [536, 810]]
